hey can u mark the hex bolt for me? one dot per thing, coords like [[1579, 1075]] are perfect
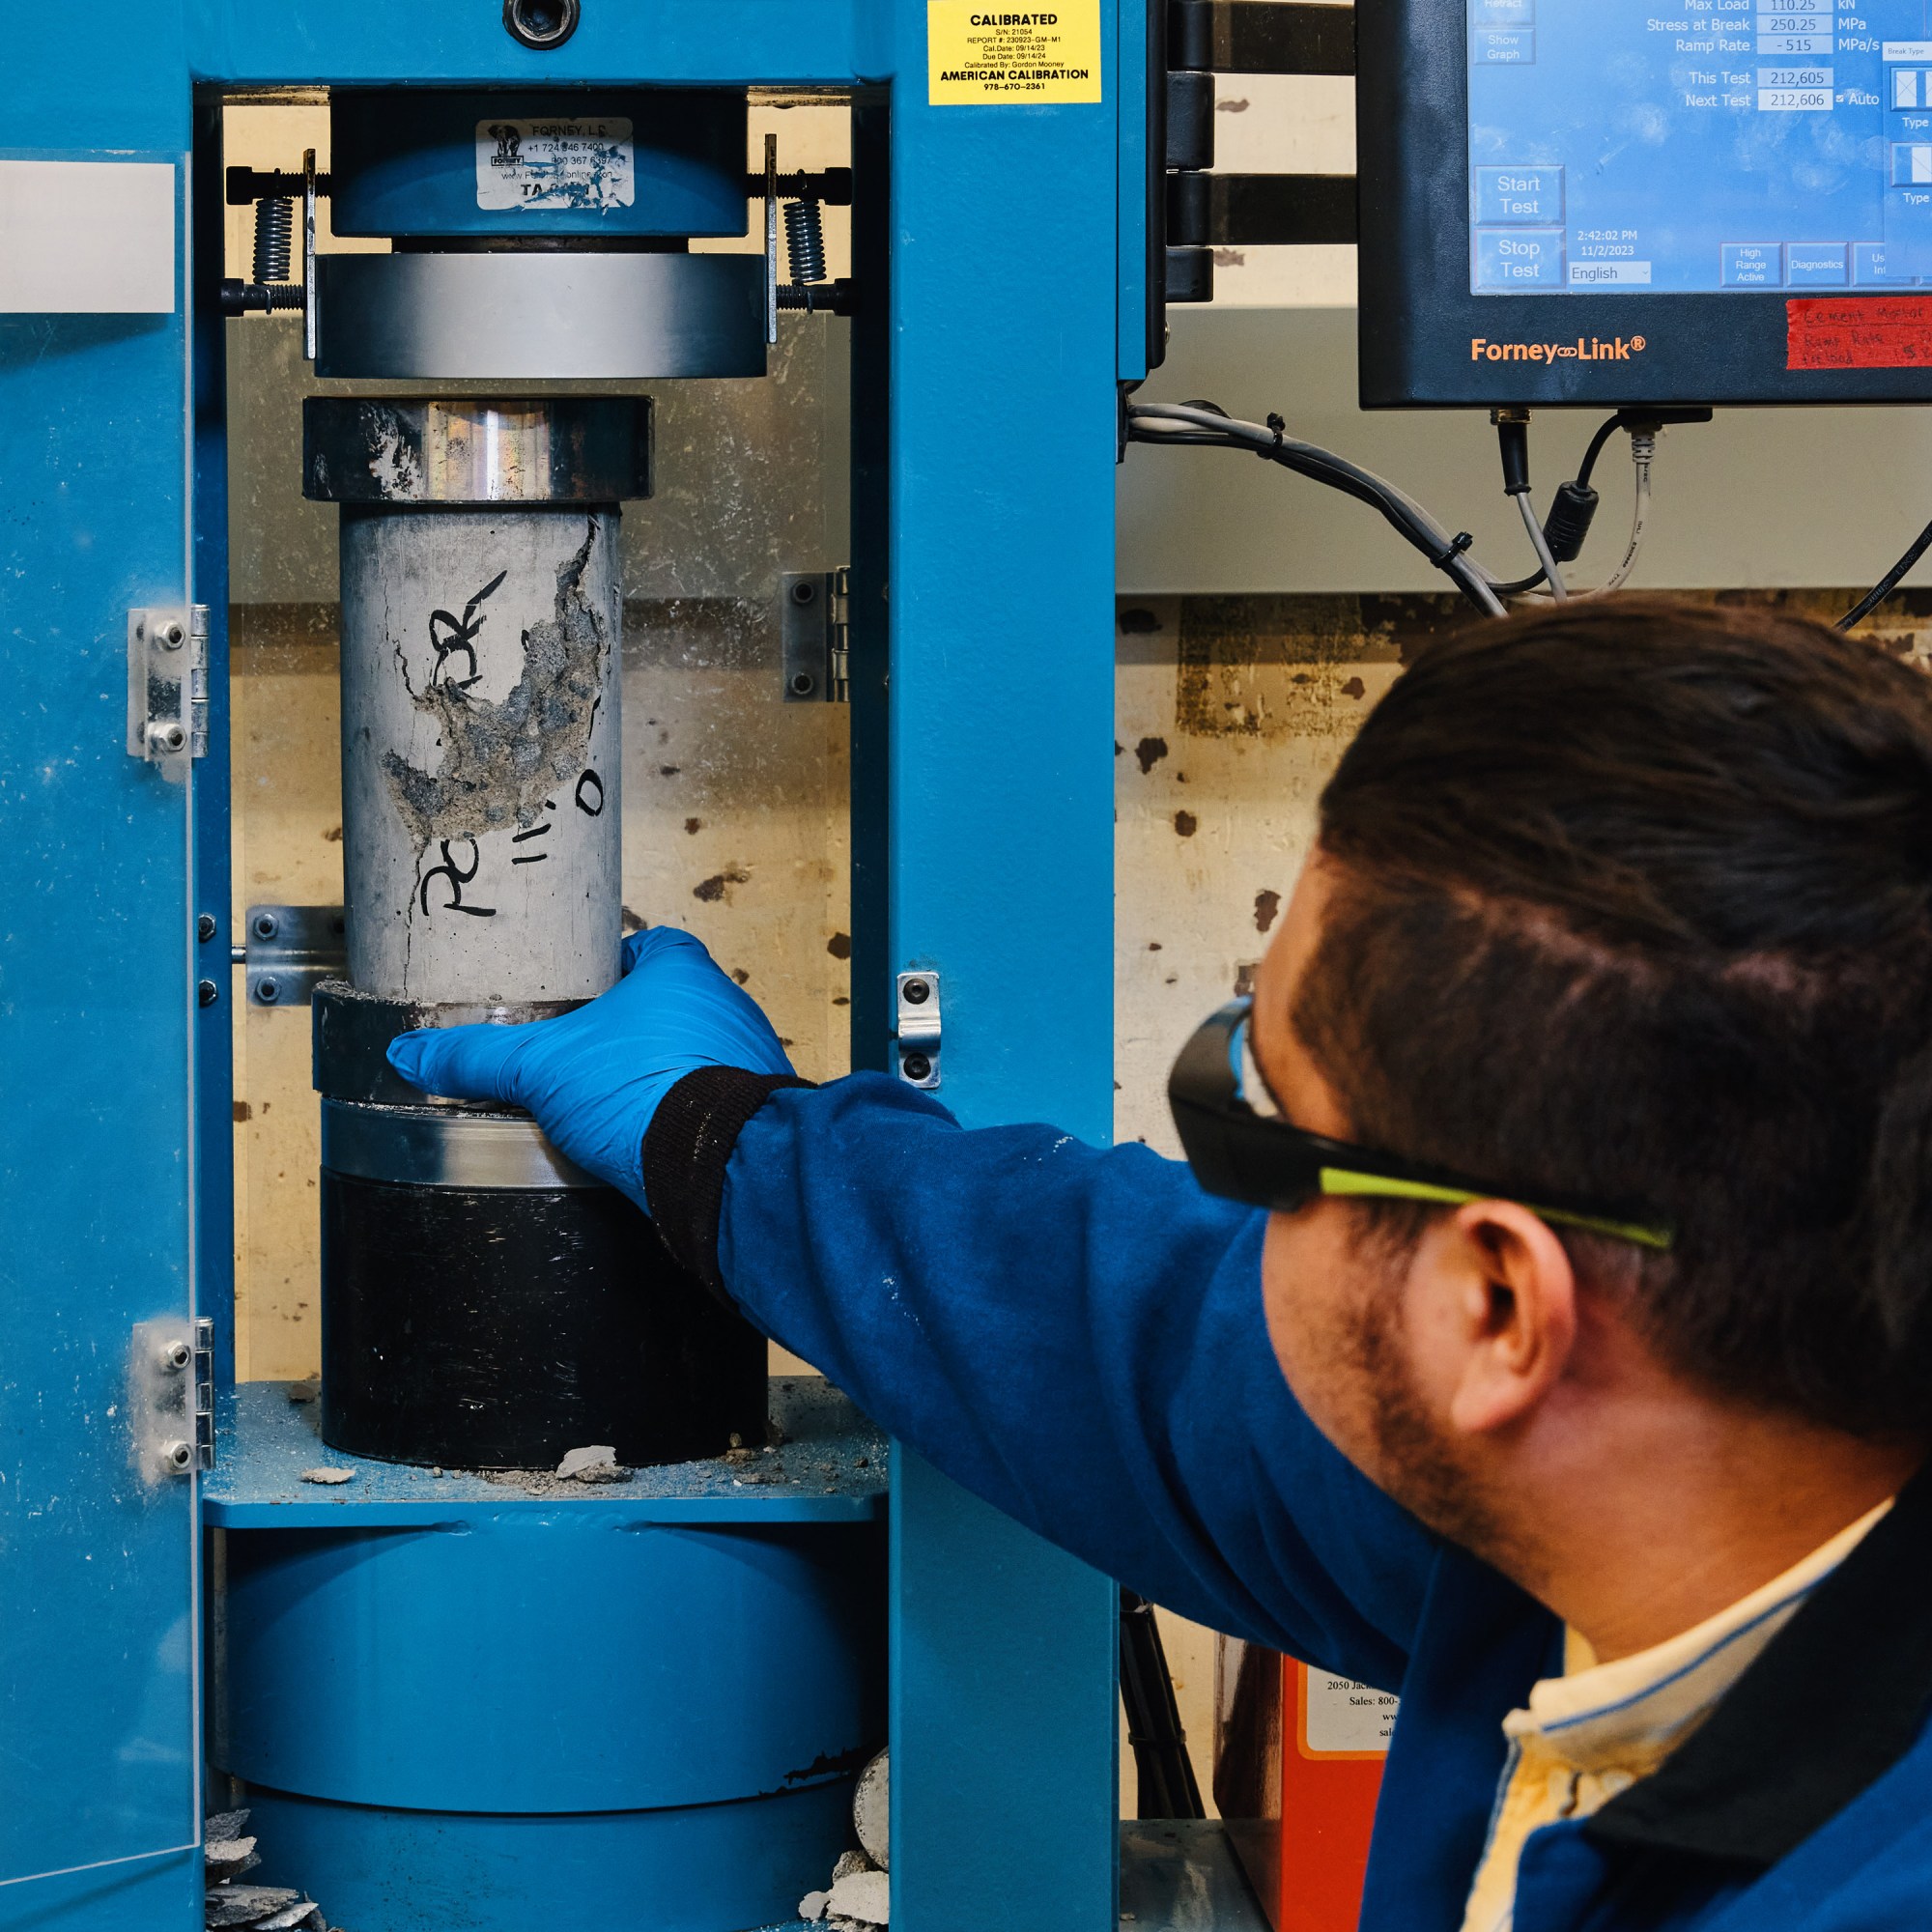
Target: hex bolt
[[917, 992], [176, 1355], [166, 737], [177, 1457], [267, 925], [205, 927], [207, 993], [917, 1066], [172, 635], [804, 593], [268, 990], [541, 24], [802, 684]]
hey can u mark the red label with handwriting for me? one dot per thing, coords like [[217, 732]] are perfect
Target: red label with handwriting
[[1858, 332]]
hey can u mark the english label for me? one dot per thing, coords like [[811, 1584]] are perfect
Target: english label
[[1858, 332], [582, 162]]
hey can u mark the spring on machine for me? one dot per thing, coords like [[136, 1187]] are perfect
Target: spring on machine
[[275, 240], [804, 241]]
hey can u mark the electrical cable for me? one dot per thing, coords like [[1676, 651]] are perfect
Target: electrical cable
[[1540, 543], [1643, 449], [1206, 425], [1887, 584], [1598, 443]]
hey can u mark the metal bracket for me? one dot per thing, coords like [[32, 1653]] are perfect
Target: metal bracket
[[289, 951], [167, 686], [815, 635], [171, 1397], [919, 1030]]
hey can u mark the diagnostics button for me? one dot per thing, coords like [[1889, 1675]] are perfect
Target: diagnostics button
[[1753, 264], [1519, 258], [1518, 197], [1815, 264]]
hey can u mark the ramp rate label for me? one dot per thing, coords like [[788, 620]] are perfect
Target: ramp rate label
[[980, 55]]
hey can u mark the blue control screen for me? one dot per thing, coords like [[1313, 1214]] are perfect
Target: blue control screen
[[1696, 146]]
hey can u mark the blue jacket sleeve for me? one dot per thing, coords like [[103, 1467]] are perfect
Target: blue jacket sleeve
[[1077, 1336]]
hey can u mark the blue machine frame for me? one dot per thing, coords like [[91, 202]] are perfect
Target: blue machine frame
[[1013, 244]]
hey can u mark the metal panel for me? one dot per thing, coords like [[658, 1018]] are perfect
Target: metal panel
[[991, 749], [96, 1609]]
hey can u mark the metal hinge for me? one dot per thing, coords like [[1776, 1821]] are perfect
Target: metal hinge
[[171, 1395], [919, 1030], [289, 951], [167, 686], [815, 631]]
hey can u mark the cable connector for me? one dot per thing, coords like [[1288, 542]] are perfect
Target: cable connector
[[1567, 525], [1513, 440]]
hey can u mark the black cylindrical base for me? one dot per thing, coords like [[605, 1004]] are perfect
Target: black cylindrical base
[[500, 1328]]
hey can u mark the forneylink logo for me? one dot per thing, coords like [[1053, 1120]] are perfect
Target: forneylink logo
[[1585, 349]]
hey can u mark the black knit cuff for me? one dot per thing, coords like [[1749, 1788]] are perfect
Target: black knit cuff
[[688, 1147]]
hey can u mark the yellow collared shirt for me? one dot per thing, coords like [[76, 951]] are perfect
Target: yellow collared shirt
[[1597, 1729]]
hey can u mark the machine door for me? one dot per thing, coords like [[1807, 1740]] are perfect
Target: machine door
[[100, 1798]]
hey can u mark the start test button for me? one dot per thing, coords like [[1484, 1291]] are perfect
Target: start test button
[[1518, 197]]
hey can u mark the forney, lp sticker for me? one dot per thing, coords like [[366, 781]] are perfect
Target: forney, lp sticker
[[981, 55], [586, 162]]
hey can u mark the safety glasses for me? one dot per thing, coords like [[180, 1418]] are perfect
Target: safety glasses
[[1243, 1156]]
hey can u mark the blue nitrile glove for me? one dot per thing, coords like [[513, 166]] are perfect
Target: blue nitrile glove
[[593, 1078]]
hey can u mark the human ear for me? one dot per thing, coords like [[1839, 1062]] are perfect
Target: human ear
[[1513, 1313]]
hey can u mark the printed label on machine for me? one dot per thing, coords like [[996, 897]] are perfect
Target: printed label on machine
[[1343, 1718], [583, 162], [979, 56]]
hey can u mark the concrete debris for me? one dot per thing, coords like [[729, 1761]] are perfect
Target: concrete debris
[[305, 1390], [739, 1456], [239, 1905], [873, 1810], [863, 1895], [848, 1864], [328, 1475], [303, 1915], [834, 1923], [249, 1908], [813, 1905], [597, 1463], [229, 1858]]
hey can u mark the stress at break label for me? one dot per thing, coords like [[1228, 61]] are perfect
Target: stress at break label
[[980, 55]]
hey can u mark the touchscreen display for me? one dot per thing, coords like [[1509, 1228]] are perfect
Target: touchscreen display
[[1709, 145]]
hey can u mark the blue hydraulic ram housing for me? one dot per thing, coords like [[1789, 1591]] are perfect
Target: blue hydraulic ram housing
[[1626, 203]]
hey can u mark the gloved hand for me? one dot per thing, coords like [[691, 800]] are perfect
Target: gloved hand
[[594, 1078]]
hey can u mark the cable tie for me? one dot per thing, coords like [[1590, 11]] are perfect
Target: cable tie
[[1279, 425], [1458, 544]]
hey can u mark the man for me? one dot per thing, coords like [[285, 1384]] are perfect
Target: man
[[1570, 1338]]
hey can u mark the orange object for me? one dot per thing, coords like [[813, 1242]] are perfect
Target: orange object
[[1298, 1767]]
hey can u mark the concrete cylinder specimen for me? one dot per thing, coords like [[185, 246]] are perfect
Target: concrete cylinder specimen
[[480, 753], [481, 620]]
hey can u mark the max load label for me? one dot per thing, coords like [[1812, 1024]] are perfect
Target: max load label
[[980, 56]]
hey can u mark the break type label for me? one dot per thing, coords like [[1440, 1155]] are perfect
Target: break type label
[[977, 55], [582, 162], [1858, 332]]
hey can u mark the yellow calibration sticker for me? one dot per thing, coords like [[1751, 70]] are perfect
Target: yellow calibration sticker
[[979, 54]]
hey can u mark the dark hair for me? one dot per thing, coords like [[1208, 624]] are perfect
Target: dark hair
[[1635, 903]]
